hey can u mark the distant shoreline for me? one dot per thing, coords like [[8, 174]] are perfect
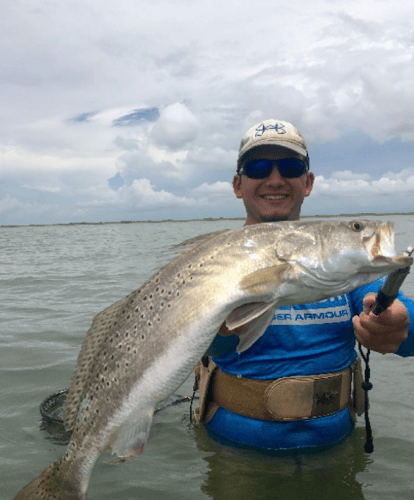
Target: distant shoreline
[[205, 219]]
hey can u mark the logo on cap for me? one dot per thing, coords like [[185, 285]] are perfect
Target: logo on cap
[[279, 128]]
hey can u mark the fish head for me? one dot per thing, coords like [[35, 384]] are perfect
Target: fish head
[[380, 249], [377, 253], [341, 255]]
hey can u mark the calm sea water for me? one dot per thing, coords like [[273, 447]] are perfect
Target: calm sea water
[[54, 279]]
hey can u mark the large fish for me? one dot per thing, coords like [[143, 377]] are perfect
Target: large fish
[[141, 349]]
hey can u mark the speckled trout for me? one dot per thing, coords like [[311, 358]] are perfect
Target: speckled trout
[[141, 349]]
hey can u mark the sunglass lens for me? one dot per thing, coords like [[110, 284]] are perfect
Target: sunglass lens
[[291, 167], [259, 169]]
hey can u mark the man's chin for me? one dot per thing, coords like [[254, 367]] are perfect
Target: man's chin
[[274, 218]]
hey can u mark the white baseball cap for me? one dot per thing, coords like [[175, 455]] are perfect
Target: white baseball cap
[[273, 132]]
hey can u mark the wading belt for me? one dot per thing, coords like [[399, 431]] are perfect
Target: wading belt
[[283, 399]]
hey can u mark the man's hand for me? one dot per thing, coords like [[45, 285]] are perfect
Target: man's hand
[[383, 333]]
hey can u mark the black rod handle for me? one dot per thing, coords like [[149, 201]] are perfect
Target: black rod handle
[[389, 290]]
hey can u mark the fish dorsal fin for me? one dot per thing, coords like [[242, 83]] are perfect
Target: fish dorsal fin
[[258, 282], [102, 326], [184, 246], [256, 317]]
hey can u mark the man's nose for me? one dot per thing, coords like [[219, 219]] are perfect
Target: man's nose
[[275, 177]]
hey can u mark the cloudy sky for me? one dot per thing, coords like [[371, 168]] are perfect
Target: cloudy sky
[[134, 109]]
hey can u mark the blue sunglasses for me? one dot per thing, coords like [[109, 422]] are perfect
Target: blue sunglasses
[[290, 168]]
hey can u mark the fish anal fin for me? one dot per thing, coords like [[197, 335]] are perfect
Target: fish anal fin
[[260, 281], [131, 437]]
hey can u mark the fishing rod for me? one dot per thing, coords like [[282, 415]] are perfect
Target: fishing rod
[[385, 297], [389, 290]]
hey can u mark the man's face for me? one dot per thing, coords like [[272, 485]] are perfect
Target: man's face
[[275, 197]]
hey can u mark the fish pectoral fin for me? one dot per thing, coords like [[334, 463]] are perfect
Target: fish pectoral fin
[[255, 329], [131, 438], [255, 317], [247, 313], [259, 281]]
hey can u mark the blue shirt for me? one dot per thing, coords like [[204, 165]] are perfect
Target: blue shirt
[[307, 339]]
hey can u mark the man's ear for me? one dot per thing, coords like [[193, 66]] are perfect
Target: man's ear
[[310, 179], [237, 180]]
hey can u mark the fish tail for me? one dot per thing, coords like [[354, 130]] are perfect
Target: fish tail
[[52, 484]]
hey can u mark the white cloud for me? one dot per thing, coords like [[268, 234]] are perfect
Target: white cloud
[[347, 184], [46, 189], [215, 189], [176, 128], [146, 196], [348, 175], [8, 203], [73, 72]]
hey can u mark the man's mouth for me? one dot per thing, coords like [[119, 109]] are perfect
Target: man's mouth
[[275, 196]]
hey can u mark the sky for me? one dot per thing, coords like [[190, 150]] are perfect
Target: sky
[[134, 110]]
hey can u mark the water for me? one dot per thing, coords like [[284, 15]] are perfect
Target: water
[[54, 279]]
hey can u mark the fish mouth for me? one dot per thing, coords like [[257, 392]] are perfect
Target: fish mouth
[[380, 247]]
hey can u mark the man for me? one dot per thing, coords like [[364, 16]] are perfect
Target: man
[[292, 388]]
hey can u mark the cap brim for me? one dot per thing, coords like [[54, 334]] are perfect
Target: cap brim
[[283, 144]]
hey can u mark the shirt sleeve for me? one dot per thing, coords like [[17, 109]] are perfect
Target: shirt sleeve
[[357, 296]]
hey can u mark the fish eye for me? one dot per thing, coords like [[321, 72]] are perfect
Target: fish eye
[[357, 226]]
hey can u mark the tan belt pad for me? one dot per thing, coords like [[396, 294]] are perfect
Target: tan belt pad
[[296, 398]]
